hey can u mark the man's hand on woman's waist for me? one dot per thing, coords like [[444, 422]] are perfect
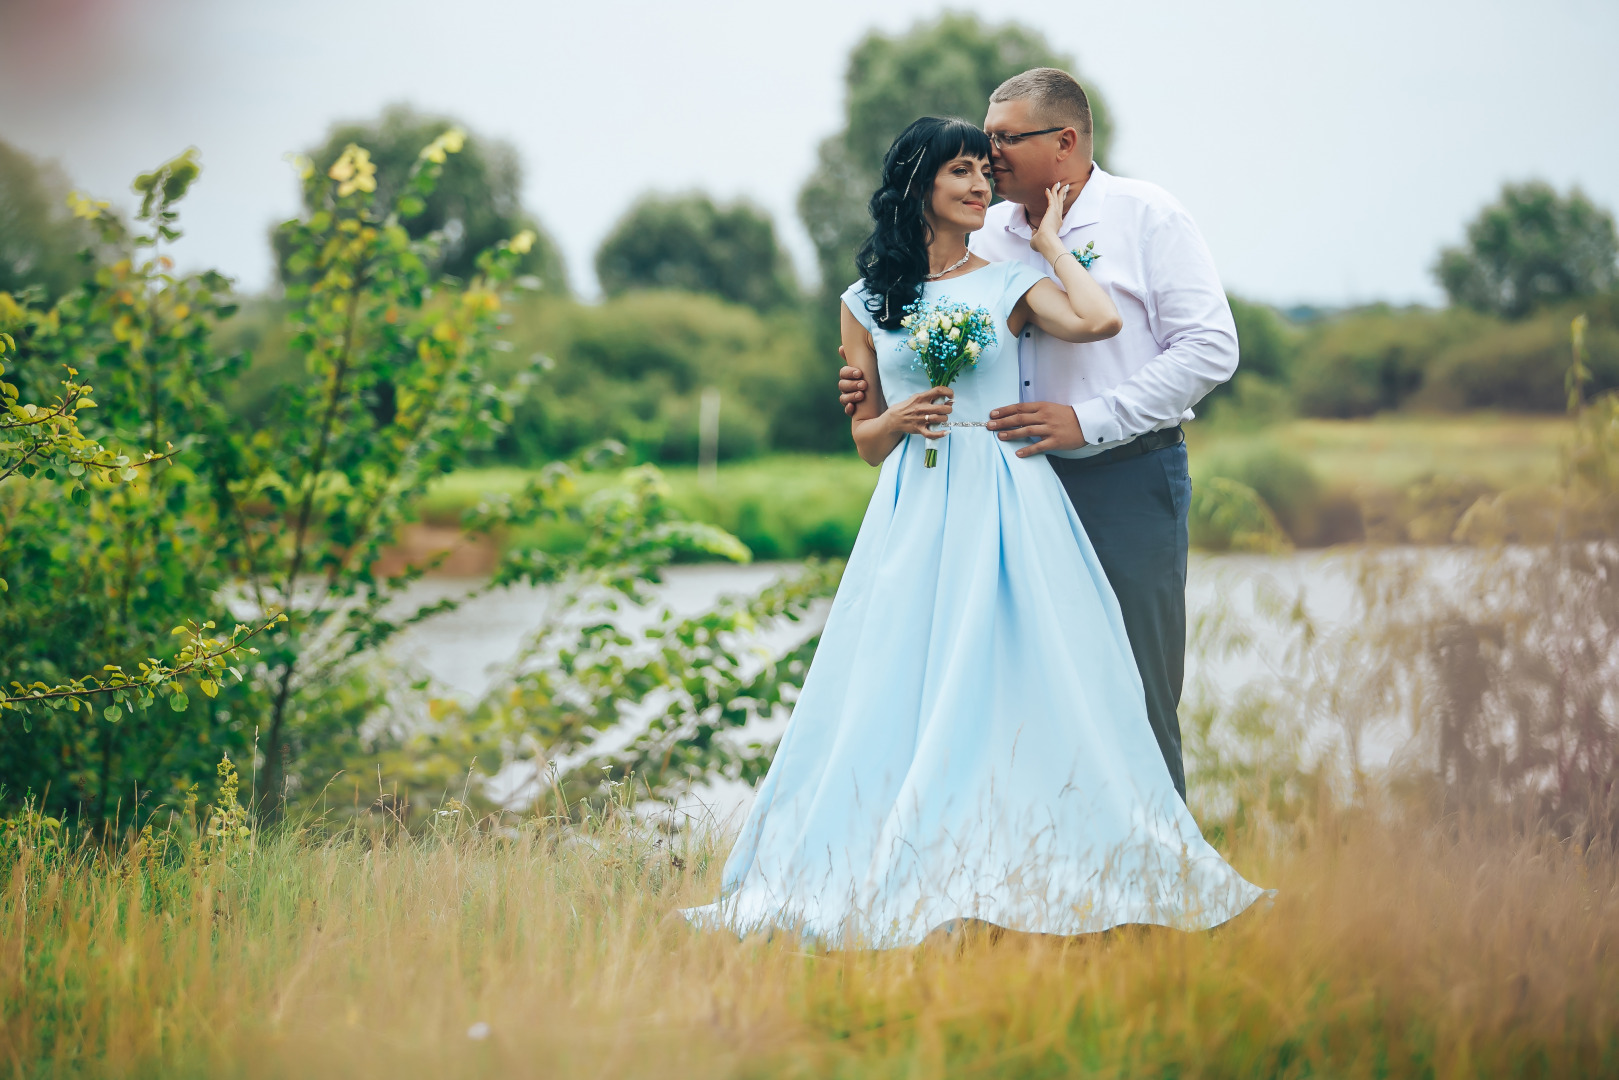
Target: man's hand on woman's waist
[[1054, 425]]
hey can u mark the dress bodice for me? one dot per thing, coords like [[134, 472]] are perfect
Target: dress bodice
[[993, 381]]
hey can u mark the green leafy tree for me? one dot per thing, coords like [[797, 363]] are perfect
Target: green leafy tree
[[395, 397], [40, 241], [476, 204], [687, 242], [1531, 247], [106, 550]]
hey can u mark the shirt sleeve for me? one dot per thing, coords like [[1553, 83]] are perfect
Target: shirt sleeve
[[1191, 321]]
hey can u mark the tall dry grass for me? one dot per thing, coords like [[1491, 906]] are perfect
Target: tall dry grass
[[1399, 946]]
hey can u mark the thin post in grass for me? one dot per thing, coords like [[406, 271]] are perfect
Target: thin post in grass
[[708, 439]]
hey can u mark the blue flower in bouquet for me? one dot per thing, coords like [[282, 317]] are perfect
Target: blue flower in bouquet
[[947, 337]]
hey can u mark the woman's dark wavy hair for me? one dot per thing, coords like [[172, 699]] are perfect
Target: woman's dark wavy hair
[[894, 259]]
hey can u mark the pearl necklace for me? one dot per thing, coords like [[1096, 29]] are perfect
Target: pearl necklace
[[953, 266]]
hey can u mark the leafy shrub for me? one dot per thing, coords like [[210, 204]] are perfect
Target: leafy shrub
[[101, 573], [1424, 512], [1375, 359], [1247, 402], [1266, 341], [1229, 516], [1383, 358], [1309, 515], [1258, 394], [633, 369], [1520, 366]]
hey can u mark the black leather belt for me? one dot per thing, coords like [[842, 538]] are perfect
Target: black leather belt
[[1145, 443]]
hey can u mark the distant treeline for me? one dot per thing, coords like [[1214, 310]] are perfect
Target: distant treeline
[[633, 367], [1382, 358]]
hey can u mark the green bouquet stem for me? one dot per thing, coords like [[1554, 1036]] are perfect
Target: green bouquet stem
[[931, 458]]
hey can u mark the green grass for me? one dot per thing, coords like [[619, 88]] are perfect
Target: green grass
[[1397, 449]]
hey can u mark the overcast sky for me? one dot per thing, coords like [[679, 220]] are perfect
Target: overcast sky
[[1327, 150]]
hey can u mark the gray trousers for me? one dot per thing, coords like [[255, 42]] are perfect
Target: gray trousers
[[1135, 514]]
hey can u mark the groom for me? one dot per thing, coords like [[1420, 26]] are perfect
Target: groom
[[1107, 414]]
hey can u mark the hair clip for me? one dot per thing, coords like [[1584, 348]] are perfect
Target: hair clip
[[917, 164], [914, 166]]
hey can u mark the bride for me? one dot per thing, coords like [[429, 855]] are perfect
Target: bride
[[971, 741]]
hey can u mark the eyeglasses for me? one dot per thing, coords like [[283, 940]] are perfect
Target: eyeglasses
[[1001, 142]]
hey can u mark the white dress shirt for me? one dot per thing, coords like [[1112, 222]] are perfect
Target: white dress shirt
[[1178, 341]]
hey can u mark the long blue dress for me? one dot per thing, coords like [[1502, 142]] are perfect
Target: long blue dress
[[971, 741]]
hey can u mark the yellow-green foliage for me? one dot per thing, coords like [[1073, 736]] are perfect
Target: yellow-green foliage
[[1395, 949], [1228, 515]]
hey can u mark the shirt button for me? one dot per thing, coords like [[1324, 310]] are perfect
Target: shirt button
[[1025, 382]]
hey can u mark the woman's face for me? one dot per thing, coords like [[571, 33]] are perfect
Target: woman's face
[[961, 193]]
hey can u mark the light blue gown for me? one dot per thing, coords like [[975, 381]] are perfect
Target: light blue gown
[[971, 741]]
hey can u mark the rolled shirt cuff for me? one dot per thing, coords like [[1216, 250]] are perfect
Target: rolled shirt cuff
[[1097, 422]]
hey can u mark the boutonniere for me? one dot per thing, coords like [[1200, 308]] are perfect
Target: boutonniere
[[1088, 256]]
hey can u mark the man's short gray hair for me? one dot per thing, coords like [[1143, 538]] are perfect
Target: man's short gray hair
[[1056, 96]]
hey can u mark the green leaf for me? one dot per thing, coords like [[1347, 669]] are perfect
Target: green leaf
[[113, 713], [179, 701]]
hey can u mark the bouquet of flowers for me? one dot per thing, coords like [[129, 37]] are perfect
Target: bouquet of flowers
[[947, 337]]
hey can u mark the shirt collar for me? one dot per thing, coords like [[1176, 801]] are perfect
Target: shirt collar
[[1087, 209]]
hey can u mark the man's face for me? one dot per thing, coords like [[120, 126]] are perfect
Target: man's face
[[1025, 168]]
